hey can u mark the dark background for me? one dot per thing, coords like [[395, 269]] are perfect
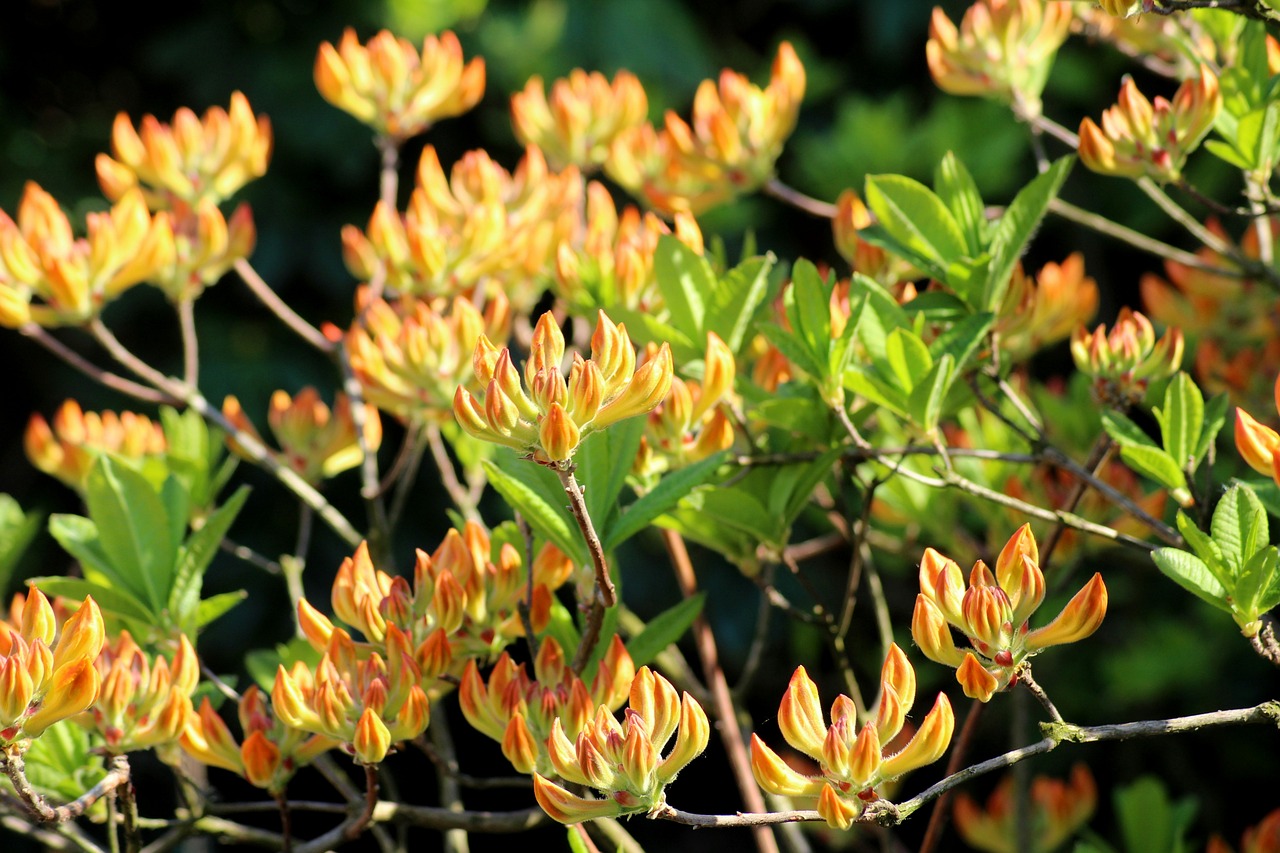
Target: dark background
[[67, 68]]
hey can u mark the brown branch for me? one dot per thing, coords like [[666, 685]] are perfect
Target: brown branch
[[1265, 643], [814, 207], [578, 507], [88, 368], [280, 308], [1024, 676]]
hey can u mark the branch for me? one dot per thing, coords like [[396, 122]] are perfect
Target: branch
[[15, 769], [88, 368], [251, 446], [814, 207], [578, 506], [278, 307]]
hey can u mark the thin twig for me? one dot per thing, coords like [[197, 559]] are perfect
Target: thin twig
[[1024, 676], [247, 443], [455, 840], [448, 474], [578, 507], [1099, 456], [280, 308], [190, 343], [815, 207], [357, 827], [88, 368]]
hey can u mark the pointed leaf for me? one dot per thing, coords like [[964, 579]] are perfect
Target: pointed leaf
[[686, 280], [1239, 527], [111, 599], [1014, 229], [1181, 420], [197, 553], [907, 357], [795, 349], [1190, 573], [962, 340], [551, 520], [912, 214], [738, 296], [1215, 416], [1204, 548], [133, 527], [1125, 432], [78, 536], [809, 306], [661, 498], [955, 186], [1154, 463], [927, 397], [214, 606], [604, 459]]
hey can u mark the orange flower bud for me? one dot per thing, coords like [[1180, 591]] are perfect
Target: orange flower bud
[[372, 740], [73, 689], [838, 812], [568, 808], [800, 715], [519, 746], [694, 733], [1257, 444], [775, 776], [1079, 619], [927, 745], [976, 681], [558, 434]]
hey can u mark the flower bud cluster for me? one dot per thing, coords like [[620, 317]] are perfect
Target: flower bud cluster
[[614, 264], [519, 711], [993, 613], [1140, 138], [730, 147], [409, 357], [47, 670], [583, 115], [854, 760], [144, 702], [1124, 360], [390, 86], [1045, 309], [52, 278], [480, 226], [690, 424], [271, 751], [1003, 49], [67, 448], [316, 441], [624, 761], [554, 414]]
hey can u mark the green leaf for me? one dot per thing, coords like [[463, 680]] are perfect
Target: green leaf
[[214, 606], [1149, 822], [551, 520], [685, 279], [938, 306], [735, 508], [133, 527], [913, 215], [1258, 577], [962, 339], [1125, 432], [78, 536], [1014, 229], [1226, 151], [1215, 416], [927, 397], [1154, 463], [794, 348], [955, 186], [661, 498], [664, 629], [865, 382], [801, 488], [738, 296], [604, 460], [1189, 572], [17, 529], [908, 358], [810, 297], [1204, 548], [882, 316], [877, 236], [62, 762], [1239, 527], [1181, 420], [197, 553]]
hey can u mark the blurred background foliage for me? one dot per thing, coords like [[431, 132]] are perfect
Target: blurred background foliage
[[66, 69]]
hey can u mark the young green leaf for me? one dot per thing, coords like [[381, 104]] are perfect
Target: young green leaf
[[915, 217], [662, 497], [1190, 573], [1239, 527], [133, 528], [686, 280], [907, 358], [955, 186], [1159, 466], [551, 520], [1123, 431], [1181, 420], [927, 398], [1014, 229]]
